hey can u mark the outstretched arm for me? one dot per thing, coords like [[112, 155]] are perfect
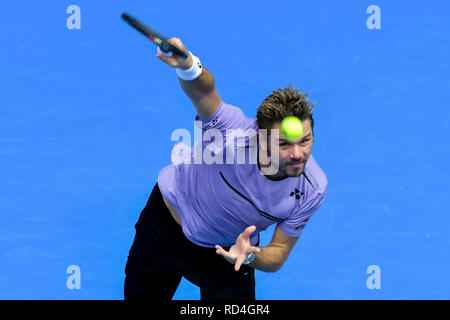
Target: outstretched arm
[[272, 257], [201, 91]]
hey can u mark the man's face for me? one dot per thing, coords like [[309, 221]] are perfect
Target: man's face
[[293, 154]]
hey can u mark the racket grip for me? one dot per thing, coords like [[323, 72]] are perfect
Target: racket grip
[[165, 47], [166, 53], [168, 48]]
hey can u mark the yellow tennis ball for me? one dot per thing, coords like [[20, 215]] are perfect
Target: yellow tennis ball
[[292, 128]]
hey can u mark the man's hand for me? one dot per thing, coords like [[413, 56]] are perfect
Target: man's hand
[[200, 91], [242, 248], [176, 61]]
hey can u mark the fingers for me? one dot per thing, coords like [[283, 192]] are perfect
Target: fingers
[[225, 254], [169, 60], [167, 54], [176, 61], [177, 43], [254, 250], [248, 231], [239, 261], [220, 250]]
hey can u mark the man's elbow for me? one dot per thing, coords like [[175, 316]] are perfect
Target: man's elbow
[[278, 266], [274, 267]]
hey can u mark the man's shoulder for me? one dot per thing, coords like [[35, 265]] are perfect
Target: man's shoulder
[[229, 116], [315, 175]]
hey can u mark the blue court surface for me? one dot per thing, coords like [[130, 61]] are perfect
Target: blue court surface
[[86, 117]]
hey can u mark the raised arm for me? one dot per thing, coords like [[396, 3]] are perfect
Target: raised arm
[[201, 91]]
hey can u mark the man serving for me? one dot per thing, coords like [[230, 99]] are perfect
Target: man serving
[[202, 220]]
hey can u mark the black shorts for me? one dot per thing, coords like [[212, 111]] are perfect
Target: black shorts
[[161, 255]]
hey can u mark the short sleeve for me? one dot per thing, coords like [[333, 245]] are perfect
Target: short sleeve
[[294, 225], [226, 117]]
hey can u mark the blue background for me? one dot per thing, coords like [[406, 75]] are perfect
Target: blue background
[[86, 117]]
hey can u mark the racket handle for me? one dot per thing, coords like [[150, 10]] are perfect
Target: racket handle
[[167, 53], [165, 46], [168, 48]]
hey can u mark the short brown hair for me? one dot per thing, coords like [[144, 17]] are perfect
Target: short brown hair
[[284, 103]]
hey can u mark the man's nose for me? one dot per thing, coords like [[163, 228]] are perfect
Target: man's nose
[[296, 152]]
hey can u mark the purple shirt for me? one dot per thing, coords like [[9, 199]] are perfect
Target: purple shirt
[[216, 202]]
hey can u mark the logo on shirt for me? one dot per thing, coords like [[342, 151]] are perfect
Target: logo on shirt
[[210, 124], [296, 193]]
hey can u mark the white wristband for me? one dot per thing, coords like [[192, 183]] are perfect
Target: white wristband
[[193, 72]]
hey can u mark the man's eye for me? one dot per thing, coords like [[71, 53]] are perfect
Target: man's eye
[[283, 144]]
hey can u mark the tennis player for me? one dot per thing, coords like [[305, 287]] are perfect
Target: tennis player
[[202, 221]]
